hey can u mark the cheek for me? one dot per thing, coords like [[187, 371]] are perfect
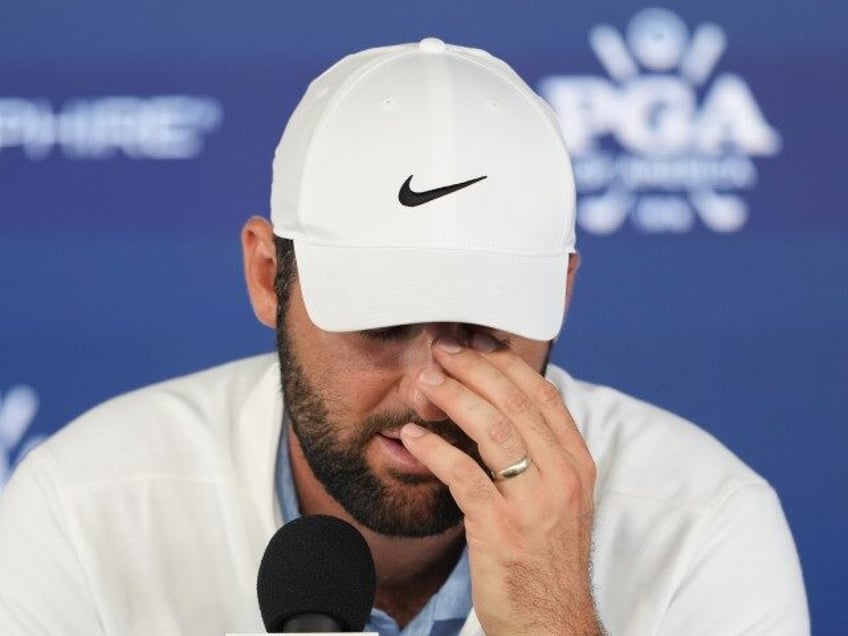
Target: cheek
[[533, 352], [353, 386]]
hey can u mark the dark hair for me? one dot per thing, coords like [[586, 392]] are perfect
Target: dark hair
[[286, 275]]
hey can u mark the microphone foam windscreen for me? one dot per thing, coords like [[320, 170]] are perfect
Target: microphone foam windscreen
[[316, 564]]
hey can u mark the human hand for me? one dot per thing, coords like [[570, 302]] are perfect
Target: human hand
[[528, 536]]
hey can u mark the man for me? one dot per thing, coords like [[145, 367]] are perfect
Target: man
[[417, 268]]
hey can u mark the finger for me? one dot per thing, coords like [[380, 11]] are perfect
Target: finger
[[547, 398], [544, 394], [470, 486], [557, 446], [498, 440], [473, 370]]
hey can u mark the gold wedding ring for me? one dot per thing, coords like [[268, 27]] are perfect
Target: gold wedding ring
[[512, 470]]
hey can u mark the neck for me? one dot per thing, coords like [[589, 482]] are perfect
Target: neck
[[410, 570]]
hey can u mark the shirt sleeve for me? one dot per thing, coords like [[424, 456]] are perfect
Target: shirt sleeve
[[43, 589], [745, 578]]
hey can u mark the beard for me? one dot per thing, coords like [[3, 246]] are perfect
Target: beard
[[398, 504]]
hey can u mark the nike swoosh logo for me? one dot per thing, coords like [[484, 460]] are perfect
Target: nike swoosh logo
[[409, 198]]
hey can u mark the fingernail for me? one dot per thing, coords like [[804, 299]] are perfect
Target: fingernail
[[483, 342], [431, 377], [448, 344], [412, 430]]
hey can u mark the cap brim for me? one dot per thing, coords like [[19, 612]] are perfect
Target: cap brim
[[358, 288]]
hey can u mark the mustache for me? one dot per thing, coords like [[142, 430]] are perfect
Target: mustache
[[446, 429]]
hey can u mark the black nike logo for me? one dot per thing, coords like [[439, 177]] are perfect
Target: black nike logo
[[408, 197]]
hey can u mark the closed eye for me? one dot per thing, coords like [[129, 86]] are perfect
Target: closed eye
[[400, 333], [390, 334]]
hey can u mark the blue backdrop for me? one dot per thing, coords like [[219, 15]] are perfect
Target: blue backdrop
[[708, 139]]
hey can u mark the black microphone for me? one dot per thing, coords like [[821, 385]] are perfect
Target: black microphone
[[317, 575]]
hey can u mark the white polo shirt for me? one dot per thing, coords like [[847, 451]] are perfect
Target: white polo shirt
[[149, 515]]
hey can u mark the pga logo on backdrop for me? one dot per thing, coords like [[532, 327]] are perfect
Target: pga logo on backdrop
[[18, 406], [660, 142]]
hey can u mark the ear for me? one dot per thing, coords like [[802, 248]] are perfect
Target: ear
[[571, 277], [260, 268]]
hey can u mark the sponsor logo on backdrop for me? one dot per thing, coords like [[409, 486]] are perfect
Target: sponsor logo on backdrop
[[18, 406], [662, 142], [157, 127]]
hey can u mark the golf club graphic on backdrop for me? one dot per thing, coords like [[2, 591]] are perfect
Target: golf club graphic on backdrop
[[661, 142]]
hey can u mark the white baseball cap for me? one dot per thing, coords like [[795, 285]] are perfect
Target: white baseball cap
[[426, 183]]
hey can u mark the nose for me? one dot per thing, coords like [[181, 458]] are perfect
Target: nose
[[418, 357]]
